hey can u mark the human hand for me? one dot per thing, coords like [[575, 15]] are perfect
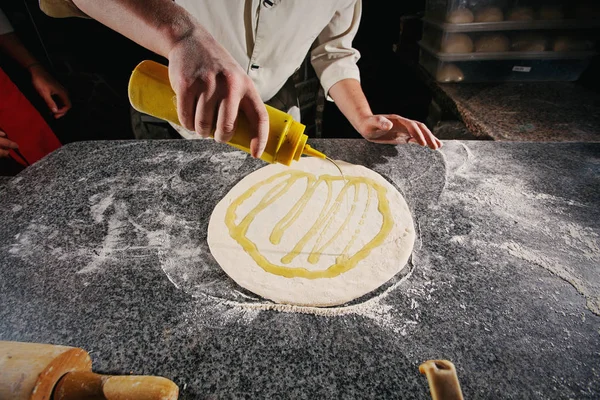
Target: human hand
[[6, 145], [211, 89], [47, 87], [394, 129]]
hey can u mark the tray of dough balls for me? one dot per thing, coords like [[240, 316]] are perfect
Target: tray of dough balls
[[500, 59], [496, 15], [505, 44]]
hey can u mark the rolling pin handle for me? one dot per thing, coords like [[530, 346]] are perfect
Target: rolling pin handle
[[92, 386], [442, 378]]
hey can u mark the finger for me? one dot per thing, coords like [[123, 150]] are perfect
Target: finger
[[227, 118], [397, 140], [255, 111], [386, 141], [378, 126], [8, 144], [4, 153], [187, 97], [383, 123], [2, 134], [413, 129], [429, 138], [206, 111], [47, 96], [64, 100]]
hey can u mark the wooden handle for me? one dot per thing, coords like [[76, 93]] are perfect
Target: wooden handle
[[29, 371], [443, 382], [91, 386]]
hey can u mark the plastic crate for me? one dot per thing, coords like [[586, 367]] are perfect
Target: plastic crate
[[438, 38], [511, 11], [504, 67]]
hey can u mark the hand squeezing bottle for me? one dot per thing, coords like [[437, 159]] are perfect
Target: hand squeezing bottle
[[150, 92]]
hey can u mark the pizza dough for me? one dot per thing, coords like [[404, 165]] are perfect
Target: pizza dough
[[489, 14], [460, 16], [301, 235], [449, 73], [521, 14], [492, 43], [551, 12], [529, 42], [457, 43], [566, 43]]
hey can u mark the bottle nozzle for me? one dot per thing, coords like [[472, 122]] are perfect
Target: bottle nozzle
[[309, 151]]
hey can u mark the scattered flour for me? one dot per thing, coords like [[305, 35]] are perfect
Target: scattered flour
[[534, 227], [395, 319], [569, 274]]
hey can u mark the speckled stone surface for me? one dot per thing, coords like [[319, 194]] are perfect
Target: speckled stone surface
[[103, 246], [538, 112], [4, 180]]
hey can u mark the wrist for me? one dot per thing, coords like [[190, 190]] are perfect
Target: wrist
[[360, 120], [35, 69], [33, 65], [179, 31]]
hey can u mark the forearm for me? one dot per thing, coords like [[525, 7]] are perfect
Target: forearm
[[12, 46], [350, 99], [154, 24]]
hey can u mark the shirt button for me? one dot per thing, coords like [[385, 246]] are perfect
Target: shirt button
[[268, 3]]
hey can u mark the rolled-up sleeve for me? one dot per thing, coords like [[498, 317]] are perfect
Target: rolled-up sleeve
[[61, 9], [333, 56]]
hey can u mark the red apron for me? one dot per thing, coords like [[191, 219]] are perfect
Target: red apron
[[24, 125]]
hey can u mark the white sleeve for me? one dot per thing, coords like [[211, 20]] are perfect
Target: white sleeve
[[5, 26], [334, 58]]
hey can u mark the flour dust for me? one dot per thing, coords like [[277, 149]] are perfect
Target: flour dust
[[536, 227]]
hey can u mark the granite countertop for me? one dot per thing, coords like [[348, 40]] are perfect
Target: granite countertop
[[104, 248], [4, 180], [532, 111]]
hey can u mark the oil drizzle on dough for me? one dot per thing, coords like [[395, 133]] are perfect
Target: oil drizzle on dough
[[344, 262]]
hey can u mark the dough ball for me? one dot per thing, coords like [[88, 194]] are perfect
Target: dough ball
[[489, 14], [529, 42], [460, 16], [493, 43], [457, 43], [521, 14], [449, 73], [549, 12], [565, 43]]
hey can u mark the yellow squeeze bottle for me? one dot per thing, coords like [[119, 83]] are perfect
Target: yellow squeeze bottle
[[150, 92]]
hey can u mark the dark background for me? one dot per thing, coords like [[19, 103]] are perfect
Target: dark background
[[94, 64]]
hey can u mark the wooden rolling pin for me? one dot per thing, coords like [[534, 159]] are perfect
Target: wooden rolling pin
[[442, 378], [35, 371]]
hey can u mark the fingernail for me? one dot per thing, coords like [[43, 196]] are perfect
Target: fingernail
[[55, 110]]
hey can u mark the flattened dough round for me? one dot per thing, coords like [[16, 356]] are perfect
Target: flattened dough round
[[303, 266]]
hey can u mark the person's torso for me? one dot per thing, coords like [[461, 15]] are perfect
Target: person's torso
[[268, 38]]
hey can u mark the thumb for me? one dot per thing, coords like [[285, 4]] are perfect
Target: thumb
[[47, 96], [376, 125], [383, 123]]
